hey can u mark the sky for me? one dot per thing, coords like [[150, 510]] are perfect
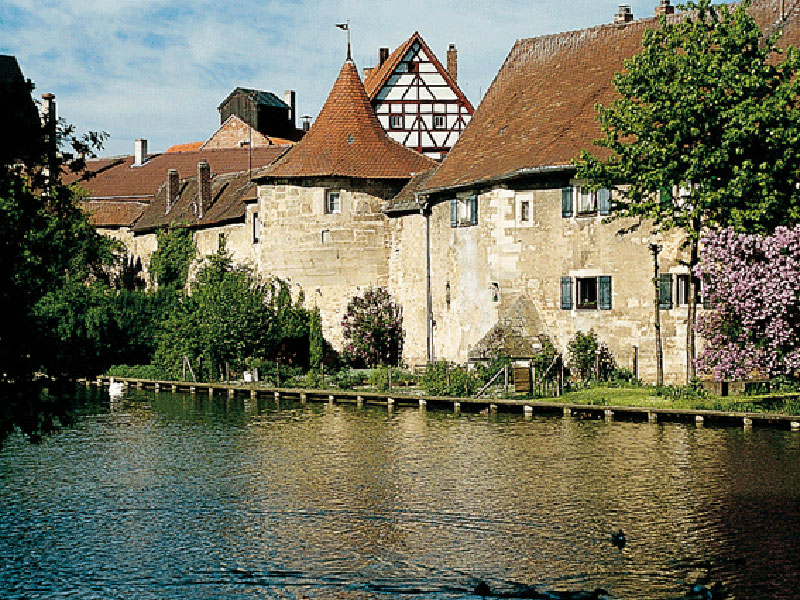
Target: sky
[[158, 69]]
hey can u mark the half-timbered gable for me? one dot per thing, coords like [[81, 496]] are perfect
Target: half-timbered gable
[[417, 100]]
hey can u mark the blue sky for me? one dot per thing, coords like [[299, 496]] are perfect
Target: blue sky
[[158, 69]]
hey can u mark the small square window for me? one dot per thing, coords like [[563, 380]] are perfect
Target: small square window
[[326, 236], [439, 121], [332, 202], [395, 121], [525, 211]]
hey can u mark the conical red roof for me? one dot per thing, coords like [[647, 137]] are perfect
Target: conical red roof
[[347, 140]]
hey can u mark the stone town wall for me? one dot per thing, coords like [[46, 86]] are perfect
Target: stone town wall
[[504, 272], [140, 246], [330, 257]]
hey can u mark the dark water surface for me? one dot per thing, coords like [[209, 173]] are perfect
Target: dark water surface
[[170, 496]]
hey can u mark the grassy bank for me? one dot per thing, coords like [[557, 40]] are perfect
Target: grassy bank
[[784, 403]]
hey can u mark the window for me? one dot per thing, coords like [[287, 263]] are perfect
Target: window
[[495, 292], [586, 292], [332, 202], [590, 292], [439, 122], [464, 211], [525, 211], [587, 202], [326, 236], [682, 285], [256, 226], [395, 121]]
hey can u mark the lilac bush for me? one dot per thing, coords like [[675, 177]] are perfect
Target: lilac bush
[[753, 284], [373, 329]]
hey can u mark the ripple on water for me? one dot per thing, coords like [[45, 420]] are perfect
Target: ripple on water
[[173, 496]]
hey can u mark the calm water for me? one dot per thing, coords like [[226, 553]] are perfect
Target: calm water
[[170, 496]]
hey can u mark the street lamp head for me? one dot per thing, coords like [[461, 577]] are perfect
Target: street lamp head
[[655, 249]]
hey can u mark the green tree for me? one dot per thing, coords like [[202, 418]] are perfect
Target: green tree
[[230, 317], [589, 357], [316, 342], [705, 132], [169, 264]]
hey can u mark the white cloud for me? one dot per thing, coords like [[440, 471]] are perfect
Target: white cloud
[[159, 68]]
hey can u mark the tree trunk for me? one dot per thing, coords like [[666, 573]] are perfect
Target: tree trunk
[[691, 371]]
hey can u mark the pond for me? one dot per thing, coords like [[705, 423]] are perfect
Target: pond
[[171, 496]]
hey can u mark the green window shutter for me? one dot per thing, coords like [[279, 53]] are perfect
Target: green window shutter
[[566, 293], [453, 213], [665, 291], [473, 210], [566, 202], [604, 201], [604, 292]]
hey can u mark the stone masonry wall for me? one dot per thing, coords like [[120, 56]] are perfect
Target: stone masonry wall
[[330, 257], [504, 271]]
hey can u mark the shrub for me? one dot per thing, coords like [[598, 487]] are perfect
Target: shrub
[[441, 379], [373, 329], [590, 358]]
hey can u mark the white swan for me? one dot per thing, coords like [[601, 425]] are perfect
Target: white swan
[[115, 388]]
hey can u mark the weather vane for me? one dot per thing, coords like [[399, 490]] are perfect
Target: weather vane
[[346, 27]]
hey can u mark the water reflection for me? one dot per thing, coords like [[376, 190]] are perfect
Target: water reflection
[[178, 495]]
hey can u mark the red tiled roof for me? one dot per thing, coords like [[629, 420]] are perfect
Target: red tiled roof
[[376, 78], [347, 140], [188, 147], [540, 108], [117, 178], [105, 213]]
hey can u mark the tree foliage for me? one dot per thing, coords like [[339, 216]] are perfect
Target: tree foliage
[[231, 316], [589, 357], [373, 329], [705, 132], [708, 110], [54, 270], [169, 264], [753, 283]]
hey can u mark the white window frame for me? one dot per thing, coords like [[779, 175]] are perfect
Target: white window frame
[[333, 202], [439, 122], [582, 193], [522, 199]]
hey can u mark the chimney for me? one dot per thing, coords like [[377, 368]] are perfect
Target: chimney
[[367, 71], [306, 122], [49, 119], [139, 152], [383, 56], [452, 62], [625, 15], [172, 189], [290, 98], [665, 8], [203, 187]]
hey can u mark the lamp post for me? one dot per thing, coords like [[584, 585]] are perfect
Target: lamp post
[[654, 250]]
